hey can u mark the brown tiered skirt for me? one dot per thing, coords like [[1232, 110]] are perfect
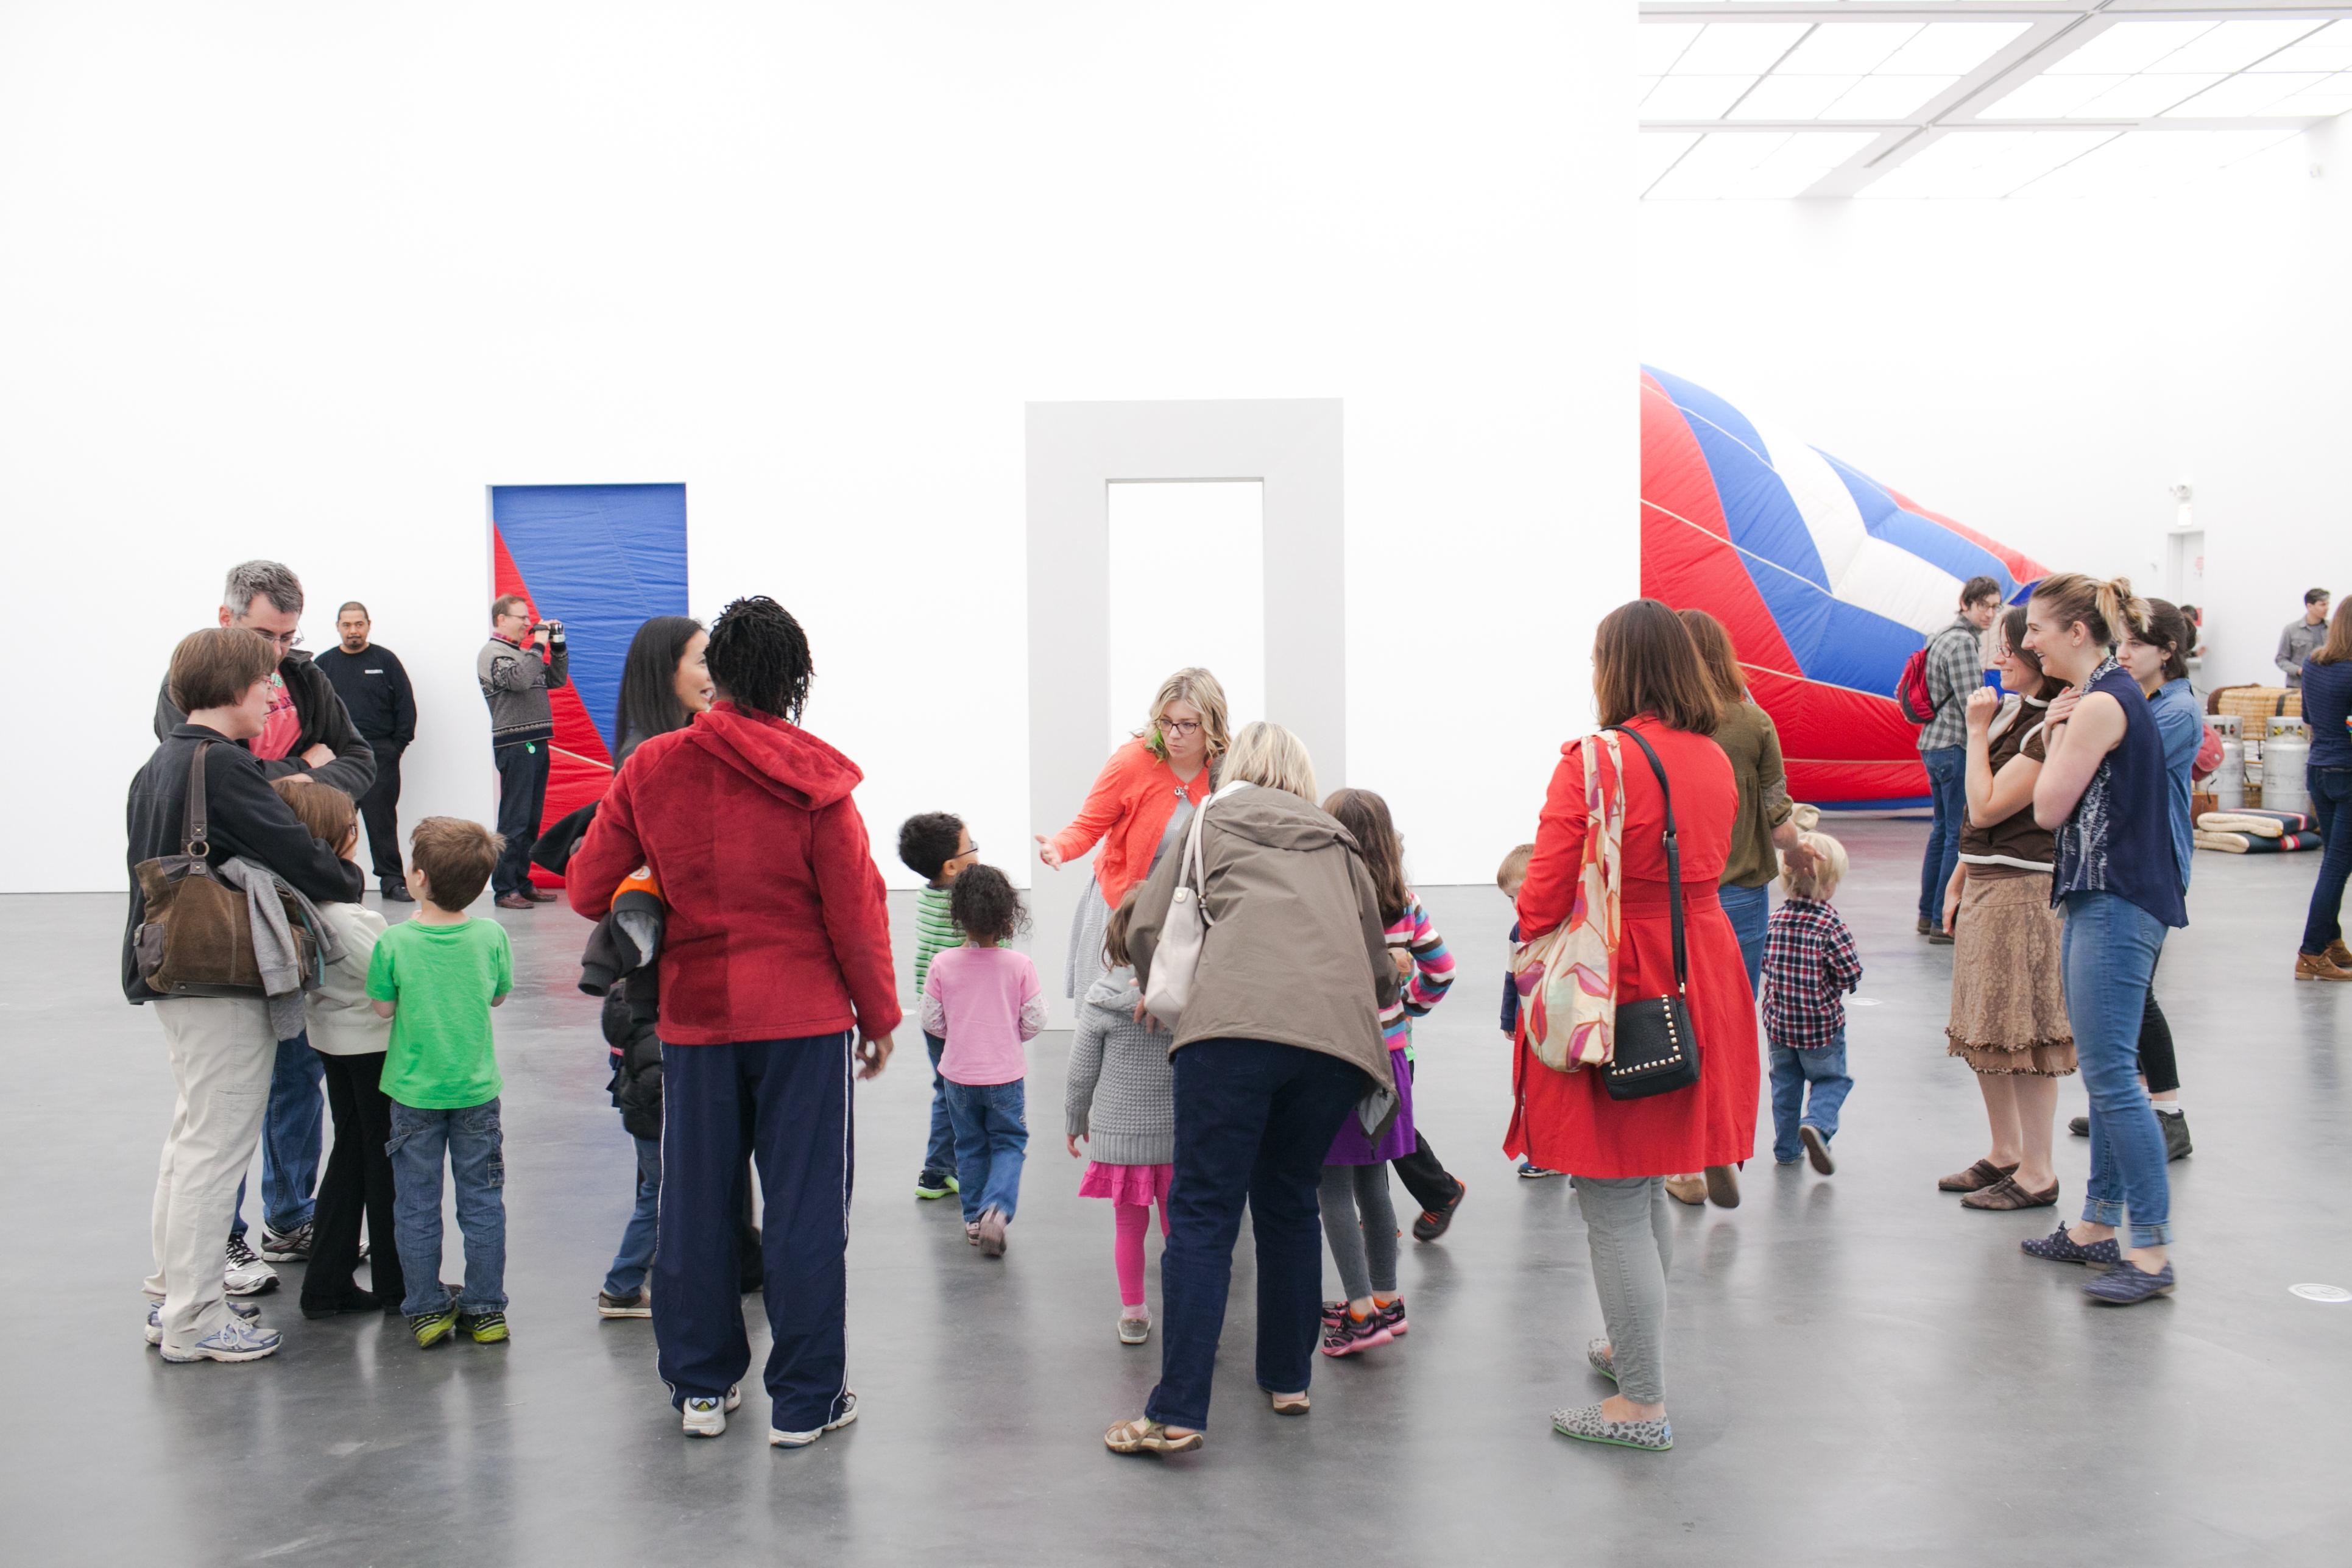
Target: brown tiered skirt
[[2008, 994]]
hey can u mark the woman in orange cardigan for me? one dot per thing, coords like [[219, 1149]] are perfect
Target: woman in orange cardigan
[[1144, 796]]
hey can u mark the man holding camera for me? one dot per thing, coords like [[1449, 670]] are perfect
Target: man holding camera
[[516, 675]]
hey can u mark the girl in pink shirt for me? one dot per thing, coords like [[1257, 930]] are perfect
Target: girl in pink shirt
[[984, 999]]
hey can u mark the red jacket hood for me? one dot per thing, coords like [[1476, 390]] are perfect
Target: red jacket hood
[[780, 757]]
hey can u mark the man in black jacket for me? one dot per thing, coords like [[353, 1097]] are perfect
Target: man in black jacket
[[375, 692], [224, 1055], [309, 730]]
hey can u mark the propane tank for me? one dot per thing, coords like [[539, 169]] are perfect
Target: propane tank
[[2285, 751], [2229, 781]]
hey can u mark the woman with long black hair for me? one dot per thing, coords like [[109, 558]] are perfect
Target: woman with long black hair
[[665, 682]]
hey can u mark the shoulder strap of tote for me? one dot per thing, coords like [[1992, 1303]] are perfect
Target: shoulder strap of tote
[[192, 820], [1190, 872], [1673, 854]]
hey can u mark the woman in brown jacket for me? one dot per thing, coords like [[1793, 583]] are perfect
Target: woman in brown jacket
[[1279, 1041]]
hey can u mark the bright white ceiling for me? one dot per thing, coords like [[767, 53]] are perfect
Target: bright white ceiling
[[1761, 98]]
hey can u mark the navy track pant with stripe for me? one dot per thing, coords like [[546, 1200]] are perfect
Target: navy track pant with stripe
[[785, 1103]]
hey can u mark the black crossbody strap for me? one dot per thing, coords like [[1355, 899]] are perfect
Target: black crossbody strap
[[192, 821], [1674, 853]]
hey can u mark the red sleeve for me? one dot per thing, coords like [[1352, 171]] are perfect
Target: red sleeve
[[1106, 803], [608, 853], [849, 889], [1549, 892]]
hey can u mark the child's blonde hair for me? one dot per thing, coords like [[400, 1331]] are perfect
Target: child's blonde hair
[[1829, 858], [1514, 868]]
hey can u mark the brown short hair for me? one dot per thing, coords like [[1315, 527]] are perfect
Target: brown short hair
[[1514, 868], [1366, 815], [1643, 661], [1716, 655], [217, 666], [503, 603], [2338, 646], [1114, 930], [2167, 629], [455, 856], [323, 808], [1978, 589]]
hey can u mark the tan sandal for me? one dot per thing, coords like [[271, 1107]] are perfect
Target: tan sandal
[[1691, 1190], [1288, 1403], [1145, 1436], [1976, 1178]]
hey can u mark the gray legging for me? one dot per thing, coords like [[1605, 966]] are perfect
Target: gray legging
[[1633, 1247], [1360, 1224]]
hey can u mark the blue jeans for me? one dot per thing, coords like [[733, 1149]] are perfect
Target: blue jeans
[[627, 1275], [478, 1167], [1750, 911], [940, 1153], [2331, 804], [1253, 1121], [1791, 1070], [992, 1135], [2108, 956], [1947, 778], [289, 1140]]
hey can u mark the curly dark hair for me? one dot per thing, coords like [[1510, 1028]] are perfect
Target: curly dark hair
[[928, 841], [759, 657], [984, 906]]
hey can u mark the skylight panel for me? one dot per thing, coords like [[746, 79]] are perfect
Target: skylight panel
[[1656, 152], [1783, 97], [2127, 47], [2140, 96], [2234, 46], [1738, 48], [1758, 165], [1661, 44], [2050, 97], [1847, 48], [1888, 97], [2333, 95], [1980, 163], [2252, 92], [1692, 96], [2328, 49], [2149, 163], [1950, 49]]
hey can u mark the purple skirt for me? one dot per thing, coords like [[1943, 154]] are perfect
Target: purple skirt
[[1352, 1148]]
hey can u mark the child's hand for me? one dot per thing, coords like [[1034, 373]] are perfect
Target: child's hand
[[1404, 957], [1073, 1141]]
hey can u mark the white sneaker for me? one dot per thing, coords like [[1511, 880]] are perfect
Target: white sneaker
[[708, 1417], [234, 1340], [803, 1440], [247, 1275], [156, 1318]]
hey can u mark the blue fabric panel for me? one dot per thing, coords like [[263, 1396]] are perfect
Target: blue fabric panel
[[1923, 537], [603, 560]]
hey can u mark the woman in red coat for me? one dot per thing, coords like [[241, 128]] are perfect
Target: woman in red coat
[[1647, 676]]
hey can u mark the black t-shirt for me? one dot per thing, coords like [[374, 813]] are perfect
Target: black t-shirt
[[375, 688]]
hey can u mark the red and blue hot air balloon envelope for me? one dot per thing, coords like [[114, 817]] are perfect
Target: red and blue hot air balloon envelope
[[1827, 581]]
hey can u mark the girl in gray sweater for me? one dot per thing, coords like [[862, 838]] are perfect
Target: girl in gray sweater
[[1121, 1099]]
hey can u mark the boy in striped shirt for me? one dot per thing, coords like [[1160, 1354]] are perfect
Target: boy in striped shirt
[[936, 846]]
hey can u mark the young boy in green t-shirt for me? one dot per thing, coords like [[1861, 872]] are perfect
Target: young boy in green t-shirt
[[936, 846], [437, 975]]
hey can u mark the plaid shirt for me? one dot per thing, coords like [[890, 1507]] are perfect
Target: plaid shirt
[[1955, 668], [1808, 964]]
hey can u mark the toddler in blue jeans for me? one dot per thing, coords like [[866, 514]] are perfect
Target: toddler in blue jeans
[[1809, 964], [437, 975], [985, 1001]]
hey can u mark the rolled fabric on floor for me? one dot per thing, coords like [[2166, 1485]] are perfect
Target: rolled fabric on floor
[[2255, 844], [2266, 823]]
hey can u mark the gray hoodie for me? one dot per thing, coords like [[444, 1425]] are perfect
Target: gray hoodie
[[1121, 1091]]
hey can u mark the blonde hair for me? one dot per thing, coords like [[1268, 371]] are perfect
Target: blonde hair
[[1198, 686], [1272, 756], [1829, 858], [2107, 610], [1514, 868]]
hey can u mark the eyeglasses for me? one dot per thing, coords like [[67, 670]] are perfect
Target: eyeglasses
[[1179, 727], [284, 642]]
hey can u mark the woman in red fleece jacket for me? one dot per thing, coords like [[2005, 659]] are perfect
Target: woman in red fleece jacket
[[776, 958]]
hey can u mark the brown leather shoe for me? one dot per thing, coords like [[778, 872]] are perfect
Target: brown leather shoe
[[1976, 1178], [2339, 954], [2318, 966], [515, 901], [2006, 1193], [539, 895], [1723, 1186], [1691, 1190]]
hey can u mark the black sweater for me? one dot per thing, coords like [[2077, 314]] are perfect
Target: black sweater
[[323, 719], [243, 816], [375, 692]]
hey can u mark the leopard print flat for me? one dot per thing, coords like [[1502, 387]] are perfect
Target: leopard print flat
[[1589, 1426]]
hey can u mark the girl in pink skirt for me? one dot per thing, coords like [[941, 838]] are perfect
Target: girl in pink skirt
[[1121, 1101]]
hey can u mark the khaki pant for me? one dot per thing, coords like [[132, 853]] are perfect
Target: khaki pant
[[222, 1053]]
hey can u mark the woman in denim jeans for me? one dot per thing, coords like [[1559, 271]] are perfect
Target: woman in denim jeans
[[2102, 792], [2327, 710]]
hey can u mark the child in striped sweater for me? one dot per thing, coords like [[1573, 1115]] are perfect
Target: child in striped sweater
[[1120, 1098], [1359, 1220], [936, 846]]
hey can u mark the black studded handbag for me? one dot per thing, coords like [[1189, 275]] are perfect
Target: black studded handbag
[[1654, 1050]]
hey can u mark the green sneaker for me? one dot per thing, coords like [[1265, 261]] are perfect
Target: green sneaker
[[429, 1328], [483, 1328], [935, 1185]]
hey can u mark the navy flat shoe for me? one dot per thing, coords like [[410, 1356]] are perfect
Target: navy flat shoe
[[2059, 1247], [2126, 1285]]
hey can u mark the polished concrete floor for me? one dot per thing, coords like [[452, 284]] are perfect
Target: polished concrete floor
[[1859, 1371]]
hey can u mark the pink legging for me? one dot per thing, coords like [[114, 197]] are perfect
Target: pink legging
[[1127, 1246]]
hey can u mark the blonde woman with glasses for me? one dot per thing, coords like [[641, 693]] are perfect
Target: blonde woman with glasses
[[1142, 800]]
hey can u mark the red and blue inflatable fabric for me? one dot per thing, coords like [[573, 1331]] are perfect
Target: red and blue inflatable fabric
[[603, 560], [1826, 579]]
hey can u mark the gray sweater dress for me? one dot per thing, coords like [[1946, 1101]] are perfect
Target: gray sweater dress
[[1121, 1093]]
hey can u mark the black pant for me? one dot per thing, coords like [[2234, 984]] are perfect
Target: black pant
[[358, 1181], [1431, 1184], [2155, 1061], [379, 808], [522, 795]]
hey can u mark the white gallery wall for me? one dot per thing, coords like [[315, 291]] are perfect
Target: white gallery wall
[[302, 281], [2044, 370]]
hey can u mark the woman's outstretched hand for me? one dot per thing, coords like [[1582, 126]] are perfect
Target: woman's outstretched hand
[[1047, 853]]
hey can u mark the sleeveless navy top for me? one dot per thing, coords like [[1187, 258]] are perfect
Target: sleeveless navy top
[[2119, 839]]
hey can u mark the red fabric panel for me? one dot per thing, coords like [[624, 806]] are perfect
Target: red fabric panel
[[1841, 745], [580, 768], [1691, 564]]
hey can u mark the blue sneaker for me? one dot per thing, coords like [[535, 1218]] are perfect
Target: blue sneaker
[[2059, 1247], [2127, 1285], [1531, 1171], [236, 1339]]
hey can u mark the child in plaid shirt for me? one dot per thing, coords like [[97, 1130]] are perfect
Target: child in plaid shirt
[[1809, 965]]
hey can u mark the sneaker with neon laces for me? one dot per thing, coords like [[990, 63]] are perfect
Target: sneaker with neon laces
[[777, 1438], [935, 1184], [236, 1339], [244, 1274], [1352, 1335], [707, 1417], [483, 1328], [249, 1312], [429, 1328], [287, 1245], [1433, 1223]]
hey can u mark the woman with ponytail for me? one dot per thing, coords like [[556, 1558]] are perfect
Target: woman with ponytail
[[2102, 792]]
